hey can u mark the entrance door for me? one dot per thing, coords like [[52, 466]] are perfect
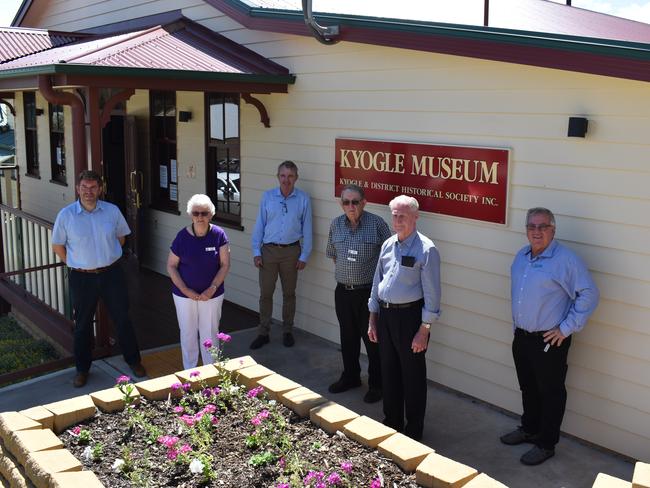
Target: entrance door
[[134, 185]]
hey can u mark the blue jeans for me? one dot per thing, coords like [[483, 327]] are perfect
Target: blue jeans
[[86, 290]]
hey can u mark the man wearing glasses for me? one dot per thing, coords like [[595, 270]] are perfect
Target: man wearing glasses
[[283, 220], [354, 242], [88, 236], [553, 295]]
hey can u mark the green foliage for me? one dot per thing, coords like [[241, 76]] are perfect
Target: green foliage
[[97, 451], [19, 350], [262, 459]]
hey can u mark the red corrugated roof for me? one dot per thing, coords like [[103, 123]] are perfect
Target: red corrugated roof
[[182, 45], [17, 42]]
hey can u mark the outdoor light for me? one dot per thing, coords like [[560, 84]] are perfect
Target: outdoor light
[[184, 116], [577, 127], [39, 111]]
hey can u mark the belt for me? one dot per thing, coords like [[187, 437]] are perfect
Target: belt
[[355, 287], [539, 333], [275, 244], [400, 305], [93, 271]]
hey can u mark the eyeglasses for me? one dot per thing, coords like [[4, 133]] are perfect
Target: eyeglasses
[[542, 227], [354, 203], [203, 213]]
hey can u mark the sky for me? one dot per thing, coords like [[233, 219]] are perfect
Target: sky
[[638, 10]]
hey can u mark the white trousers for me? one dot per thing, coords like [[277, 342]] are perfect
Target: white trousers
[[197, 321]]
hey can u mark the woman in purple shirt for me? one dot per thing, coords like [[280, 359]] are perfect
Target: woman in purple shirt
[[198, 263]]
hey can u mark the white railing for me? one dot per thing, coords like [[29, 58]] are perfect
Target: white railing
[[29, 261]]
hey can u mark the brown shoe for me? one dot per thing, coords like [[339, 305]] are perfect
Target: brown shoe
[[138, 370], [80, 380]]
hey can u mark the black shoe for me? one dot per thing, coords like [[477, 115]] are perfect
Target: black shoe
[[259, 341], [373, 395], [138, 370], [415, 434], [343, 384], [517, 437], [537, 455], [288, 340], [80, 380]]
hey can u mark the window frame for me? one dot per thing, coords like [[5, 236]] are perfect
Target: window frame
[[32, 167], [231, 146], [163, 146], [57, 134]]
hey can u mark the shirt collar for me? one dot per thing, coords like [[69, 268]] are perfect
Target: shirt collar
[[361, 219], [79, 208], [408, 240], [546, 253], [279, 194]]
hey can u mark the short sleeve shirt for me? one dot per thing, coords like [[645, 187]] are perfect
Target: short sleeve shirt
[[199, 259]]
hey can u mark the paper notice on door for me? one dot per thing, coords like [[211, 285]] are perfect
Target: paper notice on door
[[163, 176], [173, 177], [173, 192]]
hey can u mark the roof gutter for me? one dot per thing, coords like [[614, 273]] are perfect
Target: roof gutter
[[80, 153], [324, 34]]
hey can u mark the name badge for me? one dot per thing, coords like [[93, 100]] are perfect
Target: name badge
[[353, 251], [211, 248], [352, 259]]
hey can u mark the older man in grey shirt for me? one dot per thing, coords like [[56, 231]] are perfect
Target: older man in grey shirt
[[354, 242], [404, 302]]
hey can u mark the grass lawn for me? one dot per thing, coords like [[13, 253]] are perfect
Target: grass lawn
[[19, 349]]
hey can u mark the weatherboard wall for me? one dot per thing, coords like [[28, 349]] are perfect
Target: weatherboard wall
[[597, 187]]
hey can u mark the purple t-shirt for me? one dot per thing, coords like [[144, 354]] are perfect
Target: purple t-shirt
[[199, 259]]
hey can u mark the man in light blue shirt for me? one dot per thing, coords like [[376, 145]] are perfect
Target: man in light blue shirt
[[283, 221], [553, 296], [404, 302], [88, 236]]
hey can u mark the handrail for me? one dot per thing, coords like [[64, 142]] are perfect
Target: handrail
[[32, 218], [29, 270]]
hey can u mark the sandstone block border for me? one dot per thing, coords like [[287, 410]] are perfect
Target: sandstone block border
[[410, 455]]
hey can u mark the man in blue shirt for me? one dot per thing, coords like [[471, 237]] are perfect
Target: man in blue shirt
[[553, 296], [283, 220], [88, 236], [404, 302]]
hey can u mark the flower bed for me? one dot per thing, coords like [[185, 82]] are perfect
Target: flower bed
[[221, 434]]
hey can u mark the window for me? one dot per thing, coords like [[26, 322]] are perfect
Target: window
[[222, 154], [164, 180], [31, 136], [57, 143]]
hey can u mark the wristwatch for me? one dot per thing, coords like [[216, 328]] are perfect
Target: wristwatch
[[426, 325]]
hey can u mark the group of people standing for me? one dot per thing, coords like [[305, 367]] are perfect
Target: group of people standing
[[387, 295]]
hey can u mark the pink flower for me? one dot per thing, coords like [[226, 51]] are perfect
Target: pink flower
[[176, 386], [346, 466], [224, 337], [122, 380], [186, 386], [75, 431], [256, 421], [320, 484], [334, 479], [189, 420], [207, 343], [264, 414], [168, 441], [283, 485], [253, 392], [194, 374], [178, 409], [376, 483], [185, 448], [172, 454], [214, 420], [216, 390], [282, 462], [209, 408]]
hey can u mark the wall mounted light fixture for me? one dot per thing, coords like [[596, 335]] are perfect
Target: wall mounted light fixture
[[184, 116], [39, 111], [577, 127]]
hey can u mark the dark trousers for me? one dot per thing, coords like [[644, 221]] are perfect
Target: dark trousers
[[541, 378], [404, 373], [352, 312], [86, 290]]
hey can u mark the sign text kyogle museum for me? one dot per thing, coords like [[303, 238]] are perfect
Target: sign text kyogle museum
[[469, 182]]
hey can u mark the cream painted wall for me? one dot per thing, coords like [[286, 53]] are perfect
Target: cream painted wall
[[597, 187]]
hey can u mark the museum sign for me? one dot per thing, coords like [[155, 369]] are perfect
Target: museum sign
[[468, 182]]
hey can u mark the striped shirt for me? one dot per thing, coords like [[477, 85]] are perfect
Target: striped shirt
[[356, 251]]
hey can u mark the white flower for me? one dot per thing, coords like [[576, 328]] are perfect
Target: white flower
[[87, 454], [272, 402], [196, 466], [117, 465], [233, 389]]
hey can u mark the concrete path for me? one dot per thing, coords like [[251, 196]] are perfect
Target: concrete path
[[457, 427]]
